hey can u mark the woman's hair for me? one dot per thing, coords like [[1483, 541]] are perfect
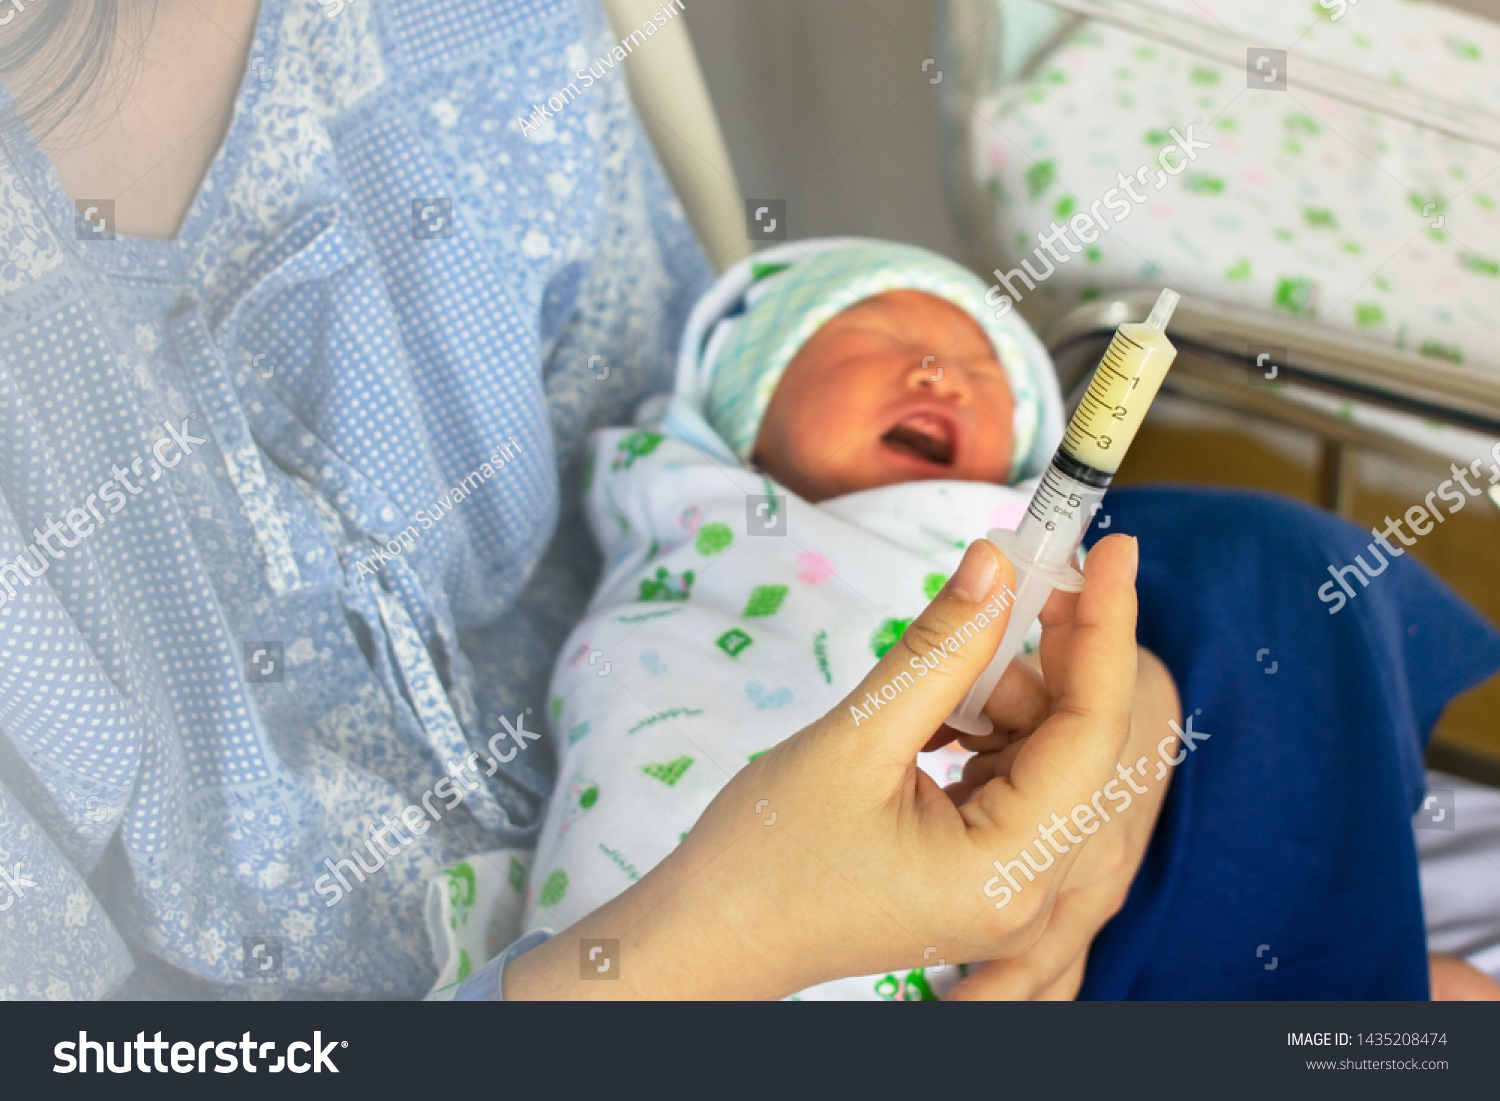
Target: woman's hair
[[55, 58]]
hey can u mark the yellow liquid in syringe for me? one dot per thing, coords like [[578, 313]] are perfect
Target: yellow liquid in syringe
[[1124, 385]]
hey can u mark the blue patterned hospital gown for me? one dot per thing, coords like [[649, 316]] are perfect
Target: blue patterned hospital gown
[[327, 349]]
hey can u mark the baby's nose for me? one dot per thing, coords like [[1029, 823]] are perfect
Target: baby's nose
[[933, 374]]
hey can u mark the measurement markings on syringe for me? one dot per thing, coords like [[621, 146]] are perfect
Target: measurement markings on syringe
[[1043, 502], [1043, 550], [1115, 351], [1093, 404]]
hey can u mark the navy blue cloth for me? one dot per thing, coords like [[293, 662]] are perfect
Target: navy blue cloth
[[1289, 827]]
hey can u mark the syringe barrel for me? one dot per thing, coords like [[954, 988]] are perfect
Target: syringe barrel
[[1032, 591], [1058, 517], [1044, 548]]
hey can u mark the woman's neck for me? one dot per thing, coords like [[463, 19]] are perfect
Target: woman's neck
[[147, 138]]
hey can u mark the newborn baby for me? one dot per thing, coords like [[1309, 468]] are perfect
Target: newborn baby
[[848, 416]]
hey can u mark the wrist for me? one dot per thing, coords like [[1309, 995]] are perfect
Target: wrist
[[702, 925], [672, 935]]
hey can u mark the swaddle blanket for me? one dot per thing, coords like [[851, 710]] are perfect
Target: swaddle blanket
[[731, 613]]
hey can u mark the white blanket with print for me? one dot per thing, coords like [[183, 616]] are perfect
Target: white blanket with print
[[731, 613]]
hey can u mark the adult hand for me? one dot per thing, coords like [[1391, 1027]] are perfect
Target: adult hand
[[1098, 883], [866, 865]]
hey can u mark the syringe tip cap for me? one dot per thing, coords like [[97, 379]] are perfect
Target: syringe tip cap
[[1161, 313]]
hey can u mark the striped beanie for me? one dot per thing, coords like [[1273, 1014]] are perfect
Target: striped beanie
[[746, 330]]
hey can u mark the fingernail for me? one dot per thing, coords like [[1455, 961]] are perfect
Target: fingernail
[[976, 573], [1135, 555]]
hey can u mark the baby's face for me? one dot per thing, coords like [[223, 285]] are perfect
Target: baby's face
[[858, 408]]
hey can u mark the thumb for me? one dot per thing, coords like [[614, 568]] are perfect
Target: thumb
[[924, 676]]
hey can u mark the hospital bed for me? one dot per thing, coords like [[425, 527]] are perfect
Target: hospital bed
[[667, 88], [1348, 315], [1290, 238]]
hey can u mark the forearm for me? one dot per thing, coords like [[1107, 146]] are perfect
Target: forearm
[[662, 951], [687, 930]]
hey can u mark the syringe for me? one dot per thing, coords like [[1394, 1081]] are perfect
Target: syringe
[[1044, 548]]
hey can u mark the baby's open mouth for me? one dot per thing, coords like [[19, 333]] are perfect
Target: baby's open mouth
[[923, 436]]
